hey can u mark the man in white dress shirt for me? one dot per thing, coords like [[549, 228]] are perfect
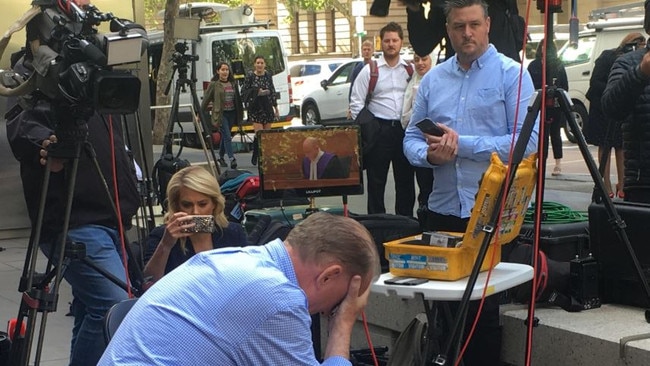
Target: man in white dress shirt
[[386, 105]]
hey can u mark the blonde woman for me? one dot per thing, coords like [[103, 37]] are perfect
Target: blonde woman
[[191, 191]]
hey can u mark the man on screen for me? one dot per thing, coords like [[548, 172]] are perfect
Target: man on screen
[[318, 164]]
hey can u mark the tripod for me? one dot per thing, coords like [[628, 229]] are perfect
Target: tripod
[[181, 59], [40, 290]]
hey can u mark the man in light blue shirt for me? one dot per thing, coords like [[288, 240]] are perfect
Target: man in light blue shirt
[[474, 97], [252, 306]]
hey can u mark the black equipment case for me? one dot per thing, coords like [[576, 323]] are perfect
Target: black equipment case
[[560, 241], [619, 282]]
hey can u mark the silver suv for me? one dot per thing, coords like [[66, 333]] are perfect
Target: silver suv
[[329, 103]]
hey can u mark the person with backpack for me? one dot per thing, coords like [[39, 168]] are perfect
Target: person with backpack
[[386, 98], [191, 191]]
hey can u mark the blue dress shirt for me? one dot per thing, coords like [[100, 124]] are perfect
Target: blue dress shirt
[[480, 105], [231, 306]]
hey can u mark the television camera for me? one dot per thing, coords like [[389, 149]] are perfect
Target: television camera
[[73, 63]]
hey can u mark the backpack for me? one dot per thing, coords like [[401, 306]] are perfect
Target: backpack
[[165, 167], [267, 229], [409, 349], [368, 124]]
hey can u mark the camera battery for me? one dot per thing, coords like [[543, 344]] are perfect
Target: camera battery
[[441, 239]]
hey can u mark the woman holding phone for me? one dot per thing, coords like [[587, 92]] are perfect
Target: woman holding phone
[[191, 191], [259, 93]]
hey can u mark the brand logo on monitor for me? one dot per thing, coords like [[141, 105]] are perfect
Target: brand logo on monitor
[[313, 191]]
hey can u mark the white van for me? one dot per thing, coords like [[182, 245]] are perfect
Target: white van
[[240, 40], [579, 61]]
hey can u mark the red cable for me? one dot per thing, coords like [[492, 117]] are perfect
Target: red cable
[[363, 313], [116, 193], [367, 331]]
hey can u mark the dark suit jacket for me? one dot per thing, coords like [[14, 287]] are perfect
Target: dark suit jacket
[[328, 167]]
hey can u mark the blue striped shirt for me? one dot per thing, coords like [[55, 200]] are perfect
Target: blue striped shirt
[[231, 306], [480, 105]]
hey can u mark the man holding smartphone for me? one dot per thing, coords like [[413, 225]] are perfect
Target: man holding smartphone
[[473, 98]]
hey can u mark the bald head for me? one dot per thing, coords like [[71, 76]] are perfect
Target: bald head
[[311, 147]]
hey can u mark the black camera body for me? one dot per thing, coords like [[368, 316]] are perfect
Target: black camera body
[[73, 62]]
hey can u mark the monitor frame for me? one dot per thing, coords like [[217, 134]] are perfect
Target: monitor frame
[[281, 161]]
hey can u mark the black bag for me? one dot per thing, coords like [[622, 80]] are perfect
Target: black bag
[[553, 276], [165, 167], [385, 228], [369, 128]]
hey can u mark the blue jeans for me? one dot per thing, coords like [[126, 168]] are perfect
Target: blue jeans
[[93, 293], [227, 121]]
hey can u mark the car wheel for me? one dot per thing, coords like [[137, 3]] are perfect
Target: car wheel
[[580, 114], [310, 115], [191, 140]]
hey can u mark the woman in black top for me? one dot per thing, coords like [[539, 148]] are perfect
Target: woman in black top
[[259, 93], [555, 75], [599, 129], [191, 191]]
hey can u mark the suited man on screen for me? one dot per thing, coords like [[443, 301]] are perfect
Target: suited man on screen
[[318, 164]]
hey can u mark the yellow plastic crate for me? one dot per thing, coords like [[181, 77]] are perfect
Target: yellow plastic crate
[[438, 263], [434, 263]]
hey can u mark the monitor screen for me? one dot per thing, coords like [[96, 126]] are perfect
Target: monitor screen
[[310, 162]]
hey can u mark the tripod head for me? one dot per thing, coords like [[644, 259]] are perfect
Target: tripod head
[[180, 58]]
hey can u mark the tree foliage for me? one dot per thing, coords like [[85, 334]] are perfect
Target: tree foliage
[[342, 7]]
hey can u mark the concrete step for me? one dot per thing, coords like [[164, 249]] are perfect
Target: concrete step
[[591, 337]]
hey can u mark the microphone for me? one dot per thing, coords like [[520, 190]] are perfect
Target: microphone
[[93, 53]]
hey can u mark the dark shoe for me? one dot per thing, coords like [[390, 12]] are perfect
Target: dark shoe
[[222, 163], [233, 163]]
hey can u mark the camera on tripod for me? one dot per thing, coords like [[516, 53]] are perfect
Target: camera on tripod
[[180, 57], [73, 62]]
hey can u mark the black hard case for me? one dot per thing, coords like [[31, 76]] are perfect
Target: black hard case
[[619, 282], [561, 241]]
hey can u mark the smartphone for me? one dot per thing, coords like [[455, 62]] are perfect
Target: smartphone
[[202, 224], [405, 281], [429, 127]]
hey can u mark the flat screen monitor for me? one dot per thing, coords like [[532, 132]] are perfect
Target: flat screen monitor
[[310, 162]]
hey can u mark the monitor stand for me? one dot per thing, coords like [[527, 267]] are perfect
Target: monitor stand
[[312, 207]]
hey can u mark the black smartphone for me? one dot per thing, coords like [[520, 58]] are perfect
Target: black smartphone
[[405, 281], [429, 127]]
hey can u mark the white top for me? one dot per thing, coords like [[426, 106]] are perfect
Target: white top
[[503, 277], [388, 96]]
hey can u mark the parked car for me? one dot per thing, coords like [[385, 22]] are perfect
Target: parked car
[[329, 103], [307, 74]]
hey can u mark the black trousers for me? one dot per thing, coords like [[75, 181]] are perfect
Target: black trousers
[[387, 150], [484, 348]]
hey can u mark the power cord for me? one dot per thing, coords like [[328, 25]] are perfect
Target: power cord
[[555, 213]]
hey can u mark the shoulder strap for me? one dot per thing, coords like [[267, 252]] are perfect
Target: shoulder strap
[[409, 69], [374, 75]]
